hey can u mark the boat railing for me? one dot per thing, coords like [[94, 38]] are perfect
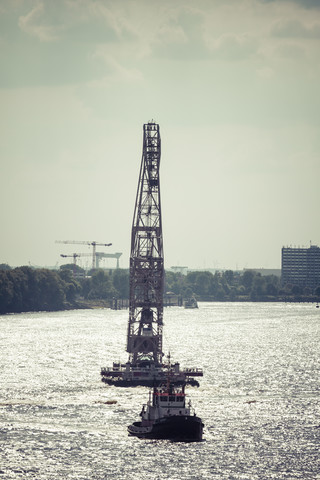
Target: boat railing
[[123, 368], [192, 371], [119, 369]]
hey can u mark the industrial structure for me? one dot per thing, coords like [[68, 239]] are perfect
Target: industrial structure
[[101, 255], [146, 259], [301, 266], [98, 257], [93, 244], [144, 337]]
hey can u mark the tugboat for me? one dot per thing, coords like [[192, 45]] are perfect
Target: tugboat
[[166, 416]]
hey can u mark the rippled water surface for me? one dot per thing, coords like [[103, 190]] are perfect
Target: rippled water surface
[[259, 397]]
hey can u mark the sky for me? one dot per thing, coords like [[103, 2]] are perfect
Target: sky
[[234, 86]]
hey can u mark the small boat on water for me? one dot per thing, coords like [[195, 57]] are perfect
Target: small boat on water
[[191, 303], [166, 416]]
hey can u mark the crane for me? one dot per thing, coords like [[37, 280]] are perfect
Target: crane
[[144, 339], [99, 256], [145, 365], [93, 244], [75, 256]]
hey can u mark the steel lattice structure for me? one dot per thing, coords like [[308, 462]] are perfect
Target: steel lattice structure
[[144, 341], [145, 365]]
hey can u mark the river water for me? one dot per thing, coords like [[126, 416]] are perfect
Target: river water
[[259, 397]]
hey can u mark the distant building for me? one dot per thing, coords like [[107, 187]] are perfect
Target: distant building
[[178, 269], [264, 272], [301, 266]]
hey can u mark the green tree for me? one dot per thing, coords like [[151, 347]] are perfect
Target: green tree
[[75, 269], [71, 286], [247, 279], [203, 282], [241, 291], [258, 288], [101, 286], [296, 290], [188, 293], [233, 294], [120, 280], [271, 290], [51, 295], [85, 287], [214, 286], [26, 289], [228, 276], [175, 282], [4, 266], [21, 300], [6, 292]]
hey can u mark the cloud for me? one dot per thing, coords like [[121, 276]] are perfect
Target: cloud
[[115, 71], [31, 24], [307, 4], [265, 72], [290, 51], [179, 35], [168, 34], [231, 46], [295, 28], [112, 17], [65, 43]]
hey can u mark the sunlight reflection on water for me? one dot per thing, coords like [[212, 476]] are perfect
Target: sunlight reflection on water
[[259, 397]]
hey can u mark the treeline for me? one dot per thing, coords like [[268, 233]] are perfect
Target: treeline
[[25, 289], [235, 286]]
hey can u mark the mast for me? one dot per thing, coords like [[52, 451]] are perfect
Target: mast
[[144, 340]]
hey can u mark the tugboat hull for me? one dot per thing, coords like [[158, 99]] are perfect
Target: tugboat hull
[[178, 428]]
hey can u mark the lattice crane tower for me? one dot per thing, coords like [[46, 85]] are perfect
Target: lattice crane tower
[[144, 337], [144, 341]]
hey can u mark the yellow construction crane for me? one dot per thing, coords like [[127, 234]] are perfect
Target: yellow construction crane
[[93, 244]]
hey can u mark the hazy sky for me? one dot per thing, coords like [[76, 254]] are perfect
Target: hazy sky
[[234, 86]]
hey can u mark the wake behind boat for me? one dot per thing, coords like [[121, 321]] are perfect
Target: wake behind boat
[[166, 416]]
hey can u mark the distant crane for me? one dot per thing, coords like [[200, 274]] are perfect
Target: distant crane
[[99, 256], [93, 244], [74, 256]]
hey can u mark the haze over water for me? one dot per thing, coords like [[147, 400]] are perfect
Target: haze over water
[[259, 397]]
